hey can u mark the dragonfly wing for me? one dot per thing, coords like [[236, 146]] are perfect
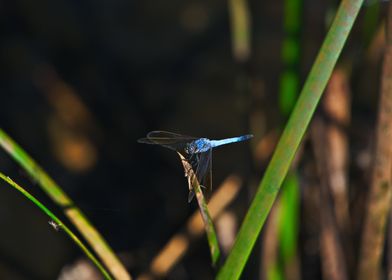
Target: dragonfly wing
[[167, 139], [191, 195], [204, 165], [208, 177], [198, 165], [167, 134], [207, 180]]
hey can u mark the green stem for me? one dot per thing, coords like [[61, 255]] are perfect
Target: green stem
[[208, 225]]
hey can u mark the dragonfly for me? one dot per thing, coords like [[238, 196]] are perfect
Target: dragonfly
[[196, 151]]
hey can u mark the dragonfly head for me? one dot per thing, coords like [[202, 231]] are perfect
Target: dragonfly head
[[190, 148]]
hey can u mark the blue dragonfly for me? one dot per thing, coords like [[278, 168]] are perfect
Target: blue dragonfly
[[195, 151]]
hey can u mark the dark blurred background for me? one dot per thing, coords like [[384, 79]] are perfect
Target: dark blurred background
[[81, 81]]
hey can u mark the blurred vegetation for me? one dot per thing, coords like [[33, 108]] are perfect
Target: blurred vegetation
[[82, 81]]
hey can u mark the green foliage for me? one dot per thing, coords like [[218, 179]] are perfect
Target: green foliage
[[288, 216]]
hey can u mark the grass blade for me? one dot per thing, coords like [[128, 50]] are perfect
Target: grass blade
[[74, 214], [57, 223]]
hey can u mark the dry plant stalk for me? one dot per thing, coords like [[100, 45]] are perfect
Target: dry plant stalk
[[332, 257], [270, 244], [310, 217], [379, 198], [195, 187], [240, 29], [389, 253], [336, 106]]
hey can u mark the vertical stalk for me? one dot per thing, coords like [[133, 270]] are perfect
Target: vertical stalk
[[379, 198], [194, 186]]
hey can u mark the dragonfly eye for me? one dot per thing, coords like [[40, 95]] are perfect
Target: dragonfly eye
[[190, 149]]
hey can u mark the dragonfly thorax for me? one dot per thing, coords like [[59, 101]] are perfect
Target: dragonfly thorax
[[198, 146]]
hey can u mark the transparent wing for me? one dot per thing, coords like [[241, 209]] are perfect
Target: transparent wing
[[169, 136], [174, 141], [203, 170], [200, 163], [201, 166], [208, 177], [191, 195]]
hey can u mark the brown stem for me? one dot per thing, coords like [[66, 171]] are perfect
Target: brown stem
[[389, 268], [379, 199], [332, 257], [270, 246], [336, 106]]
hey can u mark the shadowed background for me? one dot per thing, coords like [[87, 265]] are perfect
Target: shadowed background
[[82, 81]]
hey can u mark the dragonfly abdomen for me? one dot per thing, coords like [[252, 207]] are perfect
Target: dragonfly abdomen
[[216, 143]]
